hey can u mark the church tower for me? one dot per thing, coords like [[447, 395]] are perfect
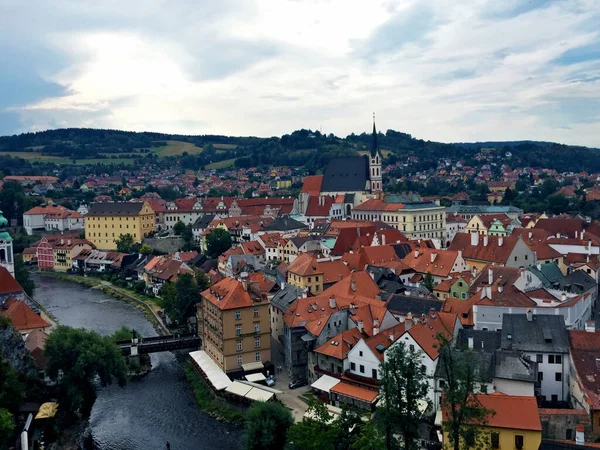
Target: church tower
[[6, 246], [375, 176]]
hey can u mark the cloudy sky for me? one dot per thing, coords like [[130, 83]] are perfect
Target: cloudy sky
[[447, 70]]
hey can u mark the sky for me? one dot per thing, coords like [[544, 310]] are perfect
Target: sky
[[441, 70]]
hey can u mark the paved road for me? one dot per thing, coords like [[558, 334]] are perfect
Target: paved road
[[290, 397]]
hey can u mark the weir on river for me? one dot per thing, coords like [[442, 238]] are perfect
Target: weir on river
[[148, 413]]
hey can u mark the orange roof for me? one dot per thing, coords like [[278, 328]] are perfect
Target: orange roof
[[384, 338], [355, 283], [511, 411], [8, 284], [333, 271], [438, 262], [305, 265], [345, 341], [356, 392], [462, 308], [312, 184], [22, 316], [229, 293], [252, 248], [426, 330], [52, 210]]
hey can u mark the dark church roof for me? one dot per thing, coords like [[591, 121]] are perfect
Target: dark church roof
[[346, 174]]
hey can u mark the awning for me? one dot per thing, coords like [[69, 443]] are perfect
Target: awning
[[253, 366], [255, 377], [307, 337], [213, 372], [47, 410], [238, 389], [325, 383], [259, 395]]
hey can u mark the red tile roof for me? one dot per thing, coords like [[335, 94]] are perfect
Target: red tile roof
[[312, 184], [345, 341], [426, 330], [8, 284], [356, 392], [510, 411], [439, 262], [21, 315], [229, 293]]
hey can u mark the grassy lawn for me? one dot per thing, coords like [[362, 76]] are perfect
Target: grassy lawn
[[176, 148], [36, 156], [222, 164], [127, 161]]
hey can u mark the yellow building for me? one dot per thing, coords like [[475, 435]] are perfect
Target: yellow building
[[417, 220], [283, 184], [304, 272], [107, 222], [512, 424], [65, 250], [234, 324]]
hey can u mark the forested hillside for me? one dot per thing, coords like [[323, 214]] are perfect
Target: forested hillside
[[307, 148]]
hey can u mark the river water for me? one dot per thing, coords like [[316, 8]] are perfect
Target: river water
[[148, 413]]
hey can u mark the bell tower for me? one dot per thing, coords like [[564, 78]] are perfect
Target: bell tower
[[6, 246], [375, 175]]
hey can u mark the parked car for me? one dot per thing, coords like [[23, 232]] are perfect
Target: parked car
[[270, 380], [297, 383]]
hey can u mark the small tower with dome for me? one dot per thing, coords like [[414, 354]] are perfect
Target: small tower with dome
[[6, 246]]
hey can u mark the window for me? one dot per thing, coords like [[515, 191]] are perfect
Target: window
[[554, 397], [550, 359], [495, 438], [470, 437], [539, 358], [257, 357], [361, 369], [557, 359], [256, 327], [240, 360], [360, 353], [353, 367], [412, 348], [374, 373], [238, 315], [519, 441], [257, 342], [256, 312], [442, 383], [569, 434], [540, 376], [238, 346], [558, 376], [238, 330]]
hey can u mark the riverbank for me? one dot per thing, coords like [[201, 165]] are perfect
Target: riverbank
[[212, 406], [145, 305]]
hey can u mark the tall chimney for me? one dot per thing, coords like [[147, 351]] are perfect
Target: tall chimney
[[416, 253], [500, 241], [359, 325], [408, 322], [353, 285], [382, 238], [485, 240], [433, 255], [490, 276], [305, 293], [470, 340], [62, 241], [563, 297], [579, 434], [474, 239], [582, 233], [576, 234], [529, 315], [332, 302]]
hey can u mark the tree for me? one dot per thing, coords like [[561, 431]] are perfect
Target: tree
[[124, 243], [11, 389], [369, 438], [267, 425], [202, 281], [403, 385], [179, 301], [509, 196], [188, 237], [179, 228], [76, 358], [314, 433], [217, 242], [145, 249], [428, 281], [22, 276], [464, 412], [7, 427]]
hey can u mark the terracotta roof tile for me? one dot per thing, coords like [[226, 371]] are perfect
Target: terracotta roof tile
[[356, 392], [21, 315]]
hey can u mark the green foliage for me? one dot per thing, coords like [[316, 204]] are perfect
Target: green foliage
[[403, 385], [188, 238], [217, 242], [428, 281], [22, 276], [266, 426], [7, 427], [181, 298], [122, 334], [370, 438], [465, 413], [179, 228], [14, 202], [11, 389], [202, 281], [145, 249], [76, 358], [125, 243]]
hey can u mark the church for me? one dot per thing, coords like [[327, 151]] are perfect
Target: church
[[350, 180]]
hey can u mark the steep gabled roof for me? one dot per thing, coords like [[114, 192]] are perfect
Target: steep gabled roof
[[349, 174], [21, 315], [8, 284]]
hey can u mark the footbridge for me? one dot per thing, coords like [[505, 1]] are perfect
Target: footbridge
[[140, 346]]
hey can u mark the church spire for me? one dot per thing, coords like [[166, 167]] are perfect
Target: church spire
[[374, 143]]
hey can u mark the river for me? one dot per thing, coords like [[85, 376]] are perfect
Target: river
[[146, 413]]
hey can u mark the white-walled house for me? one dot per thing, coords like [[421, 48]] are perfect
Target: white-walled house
[[545, 340]]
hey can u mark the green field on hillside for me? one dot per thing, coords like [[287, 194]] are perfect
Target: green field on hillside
[[176, 148], [222, 164]]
